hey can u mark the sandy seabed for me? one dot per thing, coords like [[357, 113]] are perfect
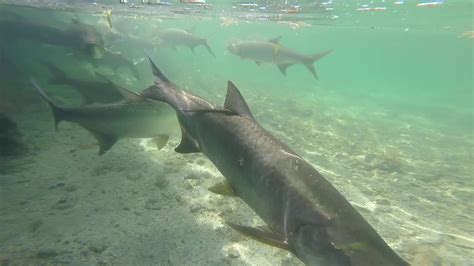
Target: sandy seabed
[[61, 203]]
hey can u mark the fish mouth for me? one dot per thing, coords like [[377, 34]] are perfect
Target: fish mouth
[[93, 50]]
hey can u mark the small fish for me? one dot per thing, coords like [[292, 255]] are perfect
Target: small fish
[[136, 117], [90, 90], [272, 52], [179, 37]]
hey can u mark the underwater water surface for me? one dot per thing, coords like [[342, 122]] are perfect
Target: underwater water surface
[[389, 122]]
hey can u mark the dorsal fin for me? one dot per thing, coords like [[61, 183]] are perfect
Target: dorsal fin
[[275, 40], [235, 102], [159, 76], [128, 95]]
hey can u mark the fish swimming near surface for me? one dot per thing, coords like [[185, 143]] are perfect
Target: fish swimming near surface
[[84, 39], [303, 212], [135, 117], [92, 91], [78, 36], [272, 52], [179, 37]]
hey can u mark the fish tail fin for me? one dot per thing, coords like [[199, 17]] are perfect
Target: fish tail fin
[[309, 63], [57, 111], [208, 48], [59, 76]]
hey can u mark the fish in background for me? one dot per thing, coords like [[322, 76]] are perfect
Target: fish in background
[[273, 53], [129, 41], [116, 60], [303, 211], [111, 58], [179, 37], [92, 91], [134, 117], [83, 38], [79, 37]]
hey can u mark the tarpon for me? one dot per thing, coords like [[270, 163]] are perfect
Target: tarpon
[[303, 212], [179, 37], [272, 52], [78, 36], [135, 117], [92, 91]]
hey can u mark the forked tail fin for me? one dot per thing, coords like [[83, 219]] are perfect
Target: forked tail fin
[[309, 62]]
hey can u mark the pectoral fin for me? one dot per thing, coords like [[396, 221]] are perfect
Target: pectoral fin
[[263, 235], [283, 68], [187, 144], [222, 188], [105, 141], [161, 141]]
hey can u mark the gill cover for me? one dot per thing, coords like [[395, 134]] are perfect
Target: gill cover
[[312, 246]]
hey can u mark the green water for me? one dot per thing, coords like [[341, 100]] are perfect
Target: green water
[[389, 123]]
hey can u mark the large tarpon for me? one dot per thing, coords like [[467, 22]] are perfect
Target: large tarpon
[[304, 213], [92, 91], [82, 38], [179, 37], [135, 117], [272, 52], [77, 36]]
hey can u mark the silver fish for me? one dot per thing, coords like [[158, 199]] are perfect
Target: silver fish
[[303, 212], [136, 117], [77, 36], [273, 53], [179, 37]]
